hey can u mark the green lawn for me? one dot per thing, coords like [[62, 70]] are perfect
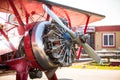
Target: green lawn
[[94, 65]]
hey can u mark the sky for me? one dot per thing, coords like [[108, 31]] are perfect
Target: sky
[[109, 8]]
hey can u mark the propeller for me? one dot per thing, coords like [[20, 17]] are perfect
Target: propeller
[[91, 53], [85, 46]]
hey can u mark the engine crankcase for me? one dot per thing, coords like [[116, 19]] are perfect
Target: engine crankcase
[[52, 46]]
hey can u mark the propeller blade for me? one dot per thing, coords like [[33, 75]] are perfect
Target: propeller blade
[[91, 53], [56, 18], [87, 48]]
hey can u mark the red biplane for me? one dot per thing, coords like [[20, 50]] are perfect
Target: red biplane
[[44, 39]]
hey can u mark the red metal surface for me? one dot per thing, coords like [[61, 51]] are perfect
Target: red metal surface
[[26, 12], [76, 18], [68, 18], [86, 25], [21, 66], [30, 57], [21, 29], [54, 77], [80, 48], [29, 26], [29, 54], [16, 12]]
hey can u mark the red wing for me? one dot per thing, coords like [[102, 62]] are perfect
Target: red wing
[[76, 18], [34, 7]]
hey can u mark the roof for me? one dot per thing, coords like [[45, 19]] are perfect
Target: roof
[[108, 28]]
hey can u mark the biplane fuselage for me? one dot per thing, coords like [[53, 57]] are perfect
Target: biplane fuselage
[[42, 39]]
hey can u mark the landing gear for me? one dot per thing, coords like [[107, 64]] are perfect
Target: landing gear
[[35, 73], [21, 66]]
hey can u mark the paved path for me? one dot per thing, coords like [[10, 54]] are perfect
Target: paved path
[[88, 74], [79, 74]]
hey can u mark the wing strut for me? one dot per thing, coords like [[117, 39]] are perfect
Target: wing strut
[[26, 12], [21, 29], [6, 37], [85, 31]]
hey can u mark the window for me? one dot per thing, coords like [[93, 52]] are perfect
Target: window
[[109, 40]]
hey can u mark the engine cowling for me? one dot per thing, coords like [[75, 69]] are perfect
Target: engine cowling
[[51, 45]]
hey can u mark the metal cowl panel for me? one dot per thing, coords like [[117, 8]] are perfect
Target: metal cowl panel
[[38, 46]]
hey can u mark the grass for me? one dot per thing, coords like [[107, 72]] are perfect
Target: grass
[[94, 65]]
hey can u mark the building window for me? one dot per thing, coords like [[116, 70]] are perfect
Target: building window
[[109, 40]]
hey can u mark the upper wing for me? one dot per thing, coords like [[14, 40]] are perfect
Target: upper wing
[[76, 16]]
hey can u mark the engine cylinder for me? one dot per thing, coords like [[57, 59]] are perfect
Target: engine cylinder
[[51, 45]]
